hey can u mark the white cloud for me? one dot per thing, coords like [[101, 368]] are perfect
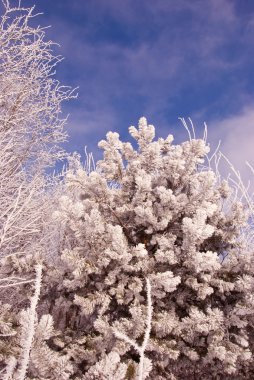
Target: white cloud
[[236, 133]]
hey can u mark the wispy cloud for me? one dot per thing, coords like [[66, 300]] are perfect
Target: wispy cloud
[[236, 133], [160, 59]]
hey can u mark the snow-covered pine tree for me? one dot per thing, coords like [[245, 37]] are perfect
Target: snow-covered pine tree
[[157, 214]]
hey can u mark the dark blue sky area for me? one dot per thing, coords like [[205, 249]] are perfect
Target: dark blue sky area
[[161, 59]]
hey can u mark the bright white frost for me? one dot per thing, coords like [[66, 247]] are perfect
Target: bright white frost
[[147, 261], [158, 213]]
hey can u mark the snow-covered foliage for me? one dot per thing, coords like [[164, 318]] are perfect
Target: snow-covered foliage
[[153, 213], [140, 268]]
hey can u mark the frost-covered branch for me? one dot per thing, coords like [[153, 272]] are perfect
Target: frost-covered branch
[[29, 320], [141, 349]]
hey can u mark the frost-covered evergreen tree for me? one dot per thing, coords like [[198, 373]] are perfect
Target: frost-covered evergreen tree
[[158, 217]]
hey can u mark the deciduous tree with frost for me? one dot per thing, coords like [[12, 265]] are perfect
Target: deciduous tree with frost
[[31, 130], [31, 127]]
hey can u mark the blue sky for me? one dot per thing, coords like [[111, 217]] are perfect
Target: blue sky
[[161, 59]]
